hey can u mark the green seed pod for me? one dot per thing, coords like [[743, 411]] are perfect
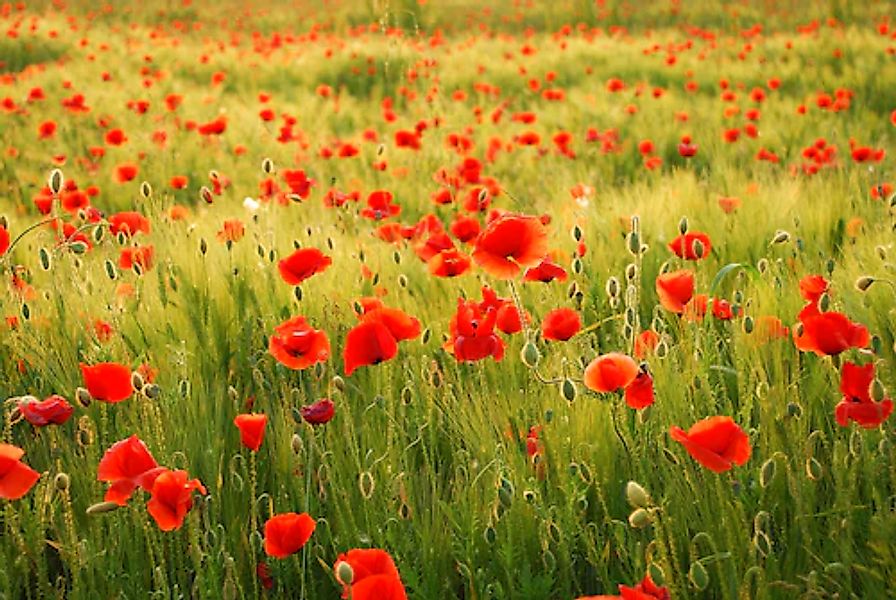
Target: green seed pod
[[698, 576], [699, 248], [824, 302], [877, 344], [748, 324], [56, 181], [267, 166], [633, 243], [61, 482], [767, 473], [636, 495], [877, 391], [345, 575], [146, 190], [864, 282], [639, 518], [44, 256], [814, 470], [683, 225], [530, 355], [78, 247], [568, 389]]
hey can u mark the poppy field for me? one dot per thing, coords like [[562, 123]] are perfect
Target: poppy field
[[433, 300]]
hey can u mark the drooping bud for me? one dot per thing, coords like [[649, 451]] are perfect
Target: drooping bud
[[636, 495], [864, 282], [61, 481], [639, 518], [767, 473], [101, 507], [568, 390], [698, 576], [530, 355], [781, 237]]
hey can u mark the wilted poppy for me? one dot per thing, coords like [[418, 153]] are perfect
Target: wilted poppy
[[55, 410], [561, 324], [857, 404], [297, 345], [610, 372], [374, 576], [319, 412], [829, 333], [302, 264], [172, 498], [675, 290], [509, 243], [717, 443], [128, 465], [251, 428], [285, 534], [108, 382], [691, 246], [16, 478]]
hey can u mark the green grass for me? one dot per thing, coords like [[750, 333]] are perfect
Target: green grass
[[426, 457]]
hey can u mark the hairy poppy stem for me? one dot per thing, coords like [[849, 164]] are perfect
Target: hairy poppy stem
[[615, 415], [25, 232], [598, 324]]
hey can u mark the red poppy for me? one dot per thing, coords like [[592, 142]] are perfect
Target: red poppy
[[691, 246], [297, 345], [675, 290], [646, 590], [546, 272], [449, 263], [128, 465], [302, 264], [717, 443], [857, 404], [379, 206], [4, 241], [368, 343], [172, 497], [639, 393], [285, 534], [473, 333], [16, 478], [812, 287], [829, 333], [510, 242], [232, 230], [561, 324], [142, 256], [401, 325], [251, 428], [128, 223], [318, 413], [108, 382], [610, 372], [55, 410], [374, 576], [126, 172]]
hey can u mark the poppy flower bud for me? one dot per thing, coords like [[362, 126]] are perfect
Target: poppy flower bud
[[403, 280], [864, 282], [366, 484], [633, 243], [830, 266], [698, 576], [137, 380], [877, 344], [639, 518], [44, 256], [577, 234], [26, 311], [699, 248], [631, 272], [572, 289], [877, 391], [78, 247], [101, 507], [61, 481], [881, 252], [636, 495], [407, 395], [338, 383], [530, 496], [612, 287], [151, 391], [577, 265], [780, 237], [146, 190], [427, 334], [748, 324], [56, 181], [267, 166], [344, 573], [683, 225], [203, 246], [568, 390], [206, 195], [767, 473], [184, 388], [83, 397], [814, 470], [824, 302], [505, 493], [296, 443], [656, 574], [530, 355]]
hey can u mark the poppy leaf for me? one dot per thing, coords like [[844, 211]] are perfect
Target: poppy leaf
[[726, 270]]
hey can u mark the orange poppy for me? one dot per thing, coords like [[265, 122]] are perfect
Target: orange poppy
[[691, 246], [829, 333], [717, 443], [172, 498], [449, 263], [509, 243], [287, 533], [675, 290], [251, 428], [639, 393], [561, 324], [16, 478], [128, 465], [108, 382], [297, 345], [610, 372]]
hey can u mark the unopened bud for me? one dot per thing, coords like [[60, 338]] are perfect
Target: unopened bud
[[683, 225], [864, 282], [781, 237], [56, 181], [83, 397], [568, 390], [137, 380], [636, 495], [101, 507], [344, 573], [61, 481], [698, 576], [767, 473], [612, 287], [639, 518], [267, 166], [146, 190], [530, 355], [296, 443]]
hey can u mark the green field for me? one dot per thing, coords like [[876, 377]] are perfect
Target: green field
[[462, 170]]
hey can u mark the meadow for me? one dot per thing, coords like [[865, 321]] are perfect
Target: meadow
[[435, 300]]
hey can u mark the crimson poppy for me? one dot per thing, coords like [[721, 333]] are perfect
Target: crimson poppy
[[128, 465], [251, 428], [55, 410], [302, 264], [561, 324], [16, 478], [546, 272], [108, 382], [297, 345], [857, 404], [172, 497], [374, 576], [368, 343], [4, 240], [691, 246], [319, 412], [675, 290], [285, 534], [610, 372], [639, 393], [829, 334], [717, 443], [510, 242]]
